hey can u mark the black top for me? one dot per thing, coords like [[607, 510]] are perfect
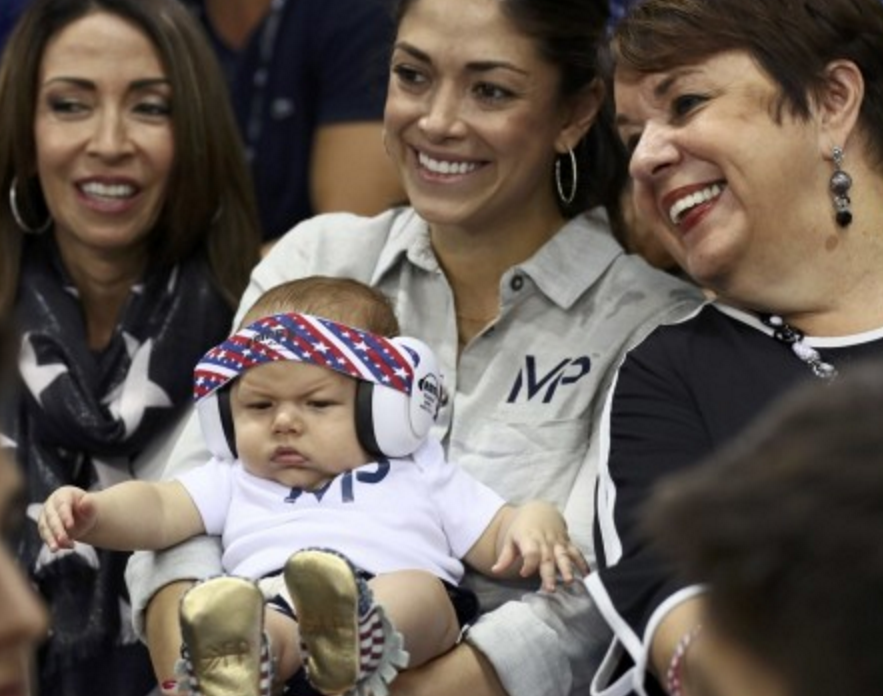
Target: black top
[[678, 396]]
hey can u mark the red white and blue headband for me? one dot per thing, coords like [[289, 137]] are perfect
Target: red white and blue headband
[[310, 339]]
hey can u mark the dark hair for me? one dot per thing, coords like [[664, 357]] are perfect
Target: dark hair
[[791, 40], [567, 34], [210, 207], [339, 299], [785, 525]]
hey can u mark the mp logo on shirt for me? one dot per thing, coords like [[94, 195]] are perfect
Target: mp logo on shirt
[[532, 382], [363, 475]]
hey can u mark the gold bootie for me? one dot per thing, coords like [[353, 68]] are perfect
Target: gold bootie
[[347, 642], [225, 652]]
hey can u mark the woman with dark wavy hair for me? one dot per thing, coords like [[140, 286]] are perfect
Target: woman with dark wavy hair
[[505, 263], [127, 230]]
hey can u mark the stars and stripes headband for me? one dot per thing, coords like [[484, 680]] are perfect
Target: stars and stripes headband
[[306, 338]]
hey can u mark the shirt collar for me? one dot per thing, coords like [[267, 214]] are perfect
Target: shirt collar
[[574, 259], [563, 269], [408, 238]]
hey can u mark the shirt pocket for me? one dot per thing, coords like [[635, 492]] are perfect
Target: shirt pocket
[[525, 457]]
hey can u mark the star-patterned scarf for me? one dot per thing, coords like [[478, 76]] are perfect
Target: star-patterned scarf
[[80, 418]]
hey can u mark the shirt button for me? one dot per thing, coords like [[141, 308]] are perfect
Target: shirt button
[[517, 282]]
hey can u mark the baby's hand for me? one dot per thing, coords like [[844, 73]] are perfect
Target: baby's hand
[[538, 533], [67, 515]]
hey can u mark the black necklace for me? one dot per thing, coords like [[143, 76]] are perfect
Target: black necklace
[[787, 334]]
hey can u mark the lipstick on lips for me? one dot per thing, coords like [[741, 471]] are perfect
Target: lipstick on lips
[[106, 194], [687, 205]]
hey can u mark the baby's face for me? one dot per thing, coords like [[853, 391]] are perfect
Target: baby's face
[[295, 423]]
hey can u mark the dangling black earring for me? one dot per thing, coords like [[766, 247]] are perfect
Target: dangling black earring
[[841, 182]]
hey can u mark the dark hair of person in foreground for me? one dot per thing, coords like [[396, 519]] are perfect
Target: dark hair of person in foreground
[[785, 525]]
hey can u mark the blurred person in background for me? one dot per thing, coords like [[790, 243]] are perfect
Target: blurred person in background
[[9, 14], [307, 79]]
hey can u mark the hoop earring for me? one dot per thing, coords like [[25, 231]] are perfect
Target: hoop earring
[[566, 199], [840, 184], [19, 220]]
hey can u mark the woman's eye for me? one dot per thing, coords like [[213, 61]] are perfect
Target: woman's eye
[[408, 75], [158, 109], [67, 106], [685, 103], [258, 405], [487, 91], [319, 404]]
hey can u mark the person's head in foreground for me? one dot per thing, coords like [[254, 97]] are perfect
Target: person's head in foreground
[[23, 618], [785, 525], [755, 139]]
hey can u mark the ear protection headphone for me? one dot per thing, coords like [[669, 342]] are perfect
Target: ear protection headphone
[[398, 391]]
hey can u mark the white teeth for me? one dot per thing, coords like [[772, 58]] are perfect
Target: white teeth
[[445, 167], [93, 188], [681, 206]]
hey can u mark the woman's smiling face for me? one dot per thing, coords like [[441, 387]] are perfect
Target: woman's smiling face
[[714, 165], [103, 134], [473, 115]]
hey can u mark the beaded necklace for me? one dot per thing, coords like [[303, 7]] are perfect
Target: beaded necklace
[[787, 334]]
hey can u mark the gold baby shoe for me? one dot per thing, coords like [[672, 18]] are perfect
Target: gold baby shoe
[[347, 642], [225, 651]]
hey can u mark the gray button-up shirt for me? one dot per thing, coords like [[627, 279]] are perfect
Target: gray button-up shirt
[[523, 399]]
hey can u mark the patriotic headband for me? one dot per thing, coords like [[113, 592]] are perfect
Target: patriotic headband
[[310, 339]]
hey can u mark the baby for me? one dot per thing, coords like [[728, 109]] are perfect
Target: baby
[[327, 490]]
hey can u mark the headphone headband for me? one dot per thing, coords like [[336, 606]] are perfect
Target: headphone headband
[[305, 338]]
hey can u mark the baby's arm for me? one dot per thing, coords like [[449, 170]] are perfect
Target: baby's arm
[[125, 517], [535, 531]]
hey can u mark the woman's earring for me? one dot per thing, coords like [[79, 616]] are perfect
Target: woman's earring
[[13, 205], [566, 199], [841, 182]]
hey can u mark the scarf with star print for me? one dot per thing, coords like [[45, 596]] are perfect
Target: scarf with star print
[[82, 417]]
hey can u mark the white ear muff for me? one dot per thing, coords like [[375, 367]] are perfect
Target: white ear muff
[[216, 422], [392, 423]]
